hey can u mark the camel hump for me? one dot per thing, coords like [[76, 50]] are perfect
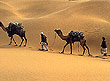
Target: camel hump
[[16, 24], [76, 34], [19, 25], [16, 27]]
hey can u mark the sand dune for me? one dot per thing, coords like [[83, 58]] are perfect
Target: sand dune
[[90, 17], [27, 64]]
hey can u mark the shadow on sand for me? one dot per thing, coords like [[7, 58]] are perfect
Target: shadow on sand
[[93, 56], [9, 46]]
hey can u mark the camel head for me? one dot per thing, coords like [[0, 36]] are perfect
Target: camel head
[[59, 32], [1, 25]]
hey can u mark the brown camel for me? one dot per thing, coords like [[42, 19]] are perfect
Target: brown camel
[[13, 29], [70, 40]]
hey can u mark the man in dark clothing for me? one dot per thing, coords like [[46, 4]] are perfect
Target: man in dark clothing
[[103, 47], [44, 42]]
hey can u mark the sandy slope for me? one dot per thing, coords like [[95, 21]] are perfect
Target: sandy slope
[[90, 17], [19, 64], [22, 64]]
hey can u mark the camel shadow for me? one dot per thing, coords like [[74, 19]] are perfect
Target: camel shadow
[[101, 57], [9, 46], [66, 53], [70, 54]]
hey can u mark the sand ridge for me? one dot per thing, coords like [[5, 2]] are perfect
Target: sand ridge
[[83, 16], [22, 64]]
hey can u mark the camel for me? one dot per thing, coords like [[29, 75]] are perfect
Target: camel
[[13, 29], [70, 40]]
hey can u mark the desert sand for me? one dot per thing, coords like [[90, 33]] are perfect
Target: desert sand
[[29, 64]]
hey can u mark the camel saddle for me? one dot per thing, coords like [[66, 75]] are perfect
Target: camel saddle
[[19, 25], [77, 34], [16, 24]]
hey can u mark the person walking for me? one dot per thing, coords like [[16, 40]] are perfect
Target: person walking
[[44, 44], [104, 47]]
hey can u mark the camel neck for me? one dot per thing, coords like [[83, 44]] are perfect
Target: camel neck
[[63, 37], [4, 29]]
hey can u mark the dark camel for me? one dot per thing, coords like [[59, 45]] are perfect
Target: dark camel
[[13, 29], [70, 40]]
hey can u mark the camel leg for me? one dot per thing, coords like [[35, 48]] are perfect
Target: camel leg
[[10, 40], [88, 50], [64, 47], [15, 42], [21, 41], [25, 41], [71, 48], [84, 50], [82, 43]]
